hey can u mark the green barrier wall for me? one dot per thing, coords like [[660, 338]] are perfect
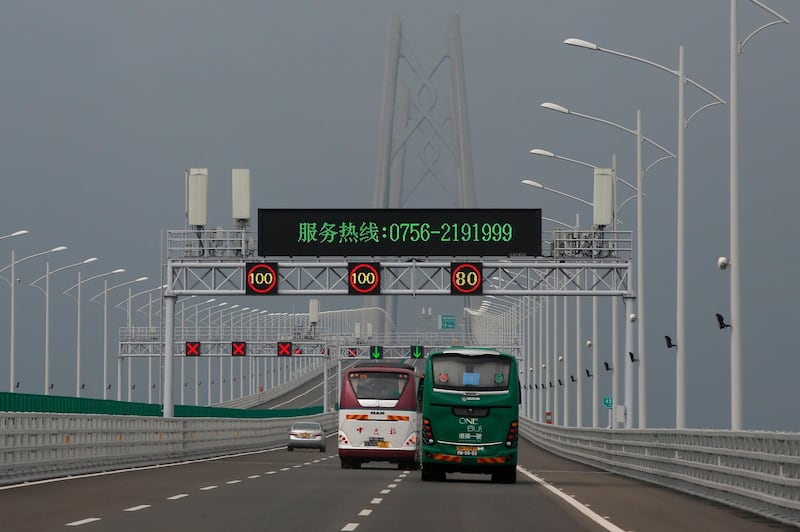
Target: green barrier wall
[[21, 402]]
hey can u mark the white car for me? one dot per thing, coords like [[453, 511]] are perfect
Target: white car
[[306, 434]]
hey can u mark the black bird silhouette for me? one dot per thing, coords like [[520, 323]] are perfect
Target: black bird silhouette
[[669, 342], [537, 386], [608, 368], [560, 383], [721, 321], [633, 357], [572, 378], [588, 374], [551, 384]]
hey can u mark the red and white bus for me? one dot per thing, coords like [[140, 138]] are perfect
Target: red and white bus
[[378, 415]]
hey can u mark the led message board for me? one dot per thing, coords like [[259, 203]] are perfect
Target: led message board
[[399, 232]]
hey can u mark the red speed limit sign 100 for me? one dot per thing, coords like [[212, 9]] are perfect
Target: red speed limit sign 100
[[261, 278], [363, 278]]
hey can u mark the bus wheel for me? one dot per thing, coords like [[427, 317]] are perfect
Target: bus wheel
[[433, 473], [506, 475]]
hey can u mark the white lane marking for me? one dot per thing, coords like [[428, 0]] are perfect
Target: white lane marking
[[233, 482], [376, 500], [392, 485], [570, 500], [365, 512], [306, 463], [178, 496], [316, 461], [349, 527], [298, 465], [398, 480], [384, 492], [254, 476], [208, 488], [136, 508], [270, 472], [285, 468], [142, 468], [83, 521], [404, 475]]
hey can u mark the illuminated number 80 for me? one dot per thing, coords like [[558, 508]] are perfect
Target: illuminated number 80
[[469, 278]]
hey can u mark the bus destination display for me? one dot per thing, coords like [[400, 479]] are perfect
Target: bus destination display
[[399, 232]]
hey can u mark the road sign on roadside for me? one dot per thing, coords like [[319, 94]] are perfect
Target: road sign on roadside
[[608, 402]]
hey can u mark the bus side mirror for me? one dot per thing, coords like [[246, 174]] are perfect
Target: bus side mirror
[[420, 386]]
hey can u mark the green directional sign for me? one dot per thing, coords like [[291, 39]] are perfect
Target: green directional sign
[[447, 322], [417, 351], [608, 402], [376, 352]]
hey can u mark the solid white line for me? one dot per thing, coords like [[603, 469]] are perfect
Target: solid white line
[[83, 521], [176, 497], [364, 513], [136, 508], [233, 482], [376, 500], [208, 488], [349, 527], [580, 507]]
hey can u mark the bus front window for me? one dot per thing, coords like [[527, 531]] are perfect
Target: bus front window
[[460, 372]]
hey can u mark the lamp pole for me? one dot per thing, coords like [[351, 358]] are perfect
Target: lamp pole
[[680, 304], [104, 293], [149, 306], [12, 282], [46, 277], [735, 258], [78, 335]]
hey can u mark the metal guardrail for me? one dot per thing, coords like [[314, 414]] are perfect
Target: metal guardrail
[[37, 446], [756, 471]]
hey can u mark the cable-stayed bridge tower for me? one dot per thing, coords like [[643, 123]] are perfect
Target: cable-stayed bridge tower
[[415, 121]]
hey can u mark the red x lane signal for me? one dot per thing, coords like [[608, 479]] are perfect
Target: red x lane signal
[[284, 349], [192, 349], [238, 349], [352, 351]]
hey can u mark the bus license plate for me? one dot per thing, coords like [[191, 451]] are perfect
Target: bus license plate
[[466, 450], [383, 444]]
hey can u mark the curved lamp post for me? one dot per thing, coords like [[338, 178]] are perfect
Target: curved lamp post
[[46, 291], [104, 293], [77, 297], [12, 282], [683, 122]]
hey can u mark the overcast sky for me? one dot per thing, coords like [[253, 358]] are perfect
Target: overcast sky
[[104, 104]]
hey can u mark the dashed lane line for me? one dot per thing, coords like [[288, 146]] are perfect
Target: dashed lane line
[[136, 508], [83, 521]]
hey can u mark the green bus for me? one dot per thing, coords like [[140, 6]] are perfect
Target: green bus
[[469, 401]]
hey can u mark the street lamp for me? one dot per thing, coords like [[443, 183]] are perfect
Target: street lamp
[[15, 233], [104, 293], [150, 336], [46, 291], [12, 282], [735, 258], [641, 173], [77, 297], [680, 304]]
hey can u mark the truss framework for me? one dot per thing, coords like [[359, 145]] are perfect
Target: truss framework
[[607, 277]]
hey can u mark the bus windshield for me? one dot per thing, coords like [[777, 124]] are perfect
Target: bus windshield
[[453, 371], [378, 385]]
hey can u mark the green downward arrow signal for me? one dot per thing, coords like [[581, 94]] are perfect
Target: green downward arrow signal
[[416, 351], [377, 352]]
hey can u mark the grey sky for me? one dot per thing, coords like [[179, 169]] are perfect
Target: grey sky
[[104, 104]]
